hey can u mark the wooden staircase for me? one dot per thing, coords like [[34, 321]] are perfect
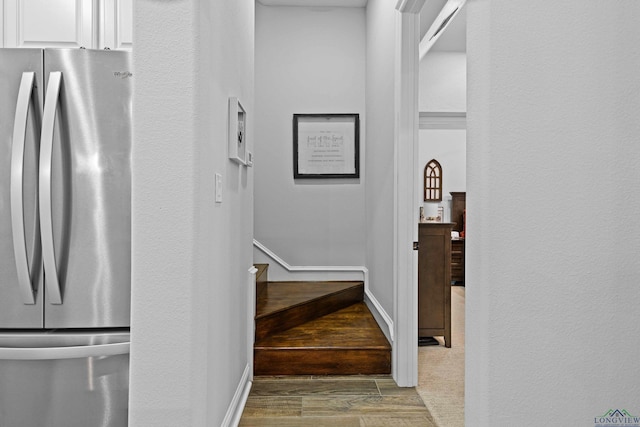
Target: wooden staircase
[[316, 328]]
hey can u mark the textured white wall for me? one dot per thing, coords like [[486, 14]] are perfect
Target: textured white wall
[[380, 85], [553, 177], [308, 60], [190, 255]]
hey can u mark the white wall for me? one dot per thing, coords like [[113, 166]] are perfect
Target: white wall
[[443, 82], [380, 85], [308, 60], [449, 147], [553, 161], [190, 255]]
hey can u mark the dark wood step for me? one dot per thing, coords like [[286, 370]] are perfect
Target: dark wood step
[[346, 342], [261, 279], [285, 305]]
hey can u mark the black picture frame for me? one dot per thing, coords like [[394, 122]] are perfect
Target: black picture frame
[[326, 146]]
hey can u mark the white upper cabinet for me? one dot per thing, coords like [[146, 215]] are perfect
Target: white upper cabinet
[[117, 24], [46, 23], [92, 24]]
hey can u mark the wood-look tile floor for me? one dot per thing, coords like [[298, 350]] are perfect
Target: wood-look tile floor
[[351, 401]]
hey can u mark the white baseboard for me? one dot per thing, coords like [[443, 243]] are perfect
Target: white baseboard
[[234, 413], [382, 317]]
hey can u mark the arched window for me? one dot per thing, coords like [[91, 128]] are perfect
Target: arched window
[[433, 181]]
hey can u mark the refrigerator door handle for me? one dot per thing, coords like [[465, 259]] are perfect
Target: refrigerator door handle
[[72, 352], [44, 182], [25, 92]]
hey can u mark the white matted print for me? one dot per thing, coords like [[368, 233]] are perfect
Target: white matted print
[[326, 146], [237, 131]]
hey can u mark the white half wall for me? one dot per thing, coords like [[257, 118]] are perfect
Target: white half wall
[[308, 60], [553, 177], [191, 256]]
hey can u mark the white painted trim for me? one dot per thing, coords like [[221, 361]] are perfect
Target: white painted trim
[[449, 12], [2, 24], [290, 268], [251, 312], [405, 259], [443, 120], [381, 313], [234, 413], [382, 317], [409, 6]]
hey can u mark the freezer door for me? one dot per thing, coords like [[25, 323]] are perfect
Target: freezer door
[[21, 291], [85, 188], [64, 380]]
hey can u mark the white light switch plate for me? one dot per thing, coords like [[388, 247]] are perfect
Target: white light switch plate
[[218, 188]]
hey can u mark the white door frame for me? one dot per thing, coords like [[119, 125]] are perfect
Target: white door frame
[[405, 259]]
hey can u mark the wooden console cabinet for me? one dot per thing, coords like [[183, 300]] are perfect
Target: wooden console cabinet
[[434, 280], [457, 260], [458, 207]]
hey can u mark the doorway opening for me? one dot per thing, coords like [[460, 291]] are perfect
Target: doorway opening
[[442, 137]]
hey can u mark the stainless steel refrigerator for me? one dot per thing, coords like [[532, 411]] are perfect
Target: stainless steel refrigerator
[[65, 247]]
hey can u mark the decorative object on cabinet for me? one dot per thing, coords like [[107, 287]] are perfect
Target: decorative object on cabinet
[[433, 181], [434, 281], [326, 146], [237, 131]]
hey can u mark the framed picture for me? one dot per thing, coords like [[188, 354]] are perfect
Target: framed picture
[[237, 131], [326, 146]]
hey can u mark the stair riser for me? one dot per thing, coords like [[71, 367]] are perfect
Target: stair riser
[[322, 362], [294, 316], [261, 279]]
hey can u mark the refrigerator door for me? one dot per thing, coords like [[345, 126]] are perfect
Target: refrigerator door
[[21, 291], [64, 379], [85, 188]]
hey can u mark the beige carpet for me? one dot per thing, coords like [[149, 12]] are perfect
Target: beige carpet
[[441, 370]]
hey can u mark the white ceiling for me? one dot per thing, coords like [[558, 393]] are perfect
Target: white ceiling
[[454, 38]]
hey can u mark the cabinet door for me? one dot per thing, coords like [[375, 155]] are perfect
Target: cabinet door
[[117, 25], [49, 23], [2, 26]]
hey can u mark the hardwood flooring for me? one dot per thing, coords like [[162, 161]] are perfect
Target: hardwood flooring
[[358, 401], [284, 305]]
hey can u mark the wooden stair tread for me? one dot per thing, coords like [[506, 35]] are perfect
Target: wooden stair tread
[[280, 296], [316, 328], [353, 327]]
